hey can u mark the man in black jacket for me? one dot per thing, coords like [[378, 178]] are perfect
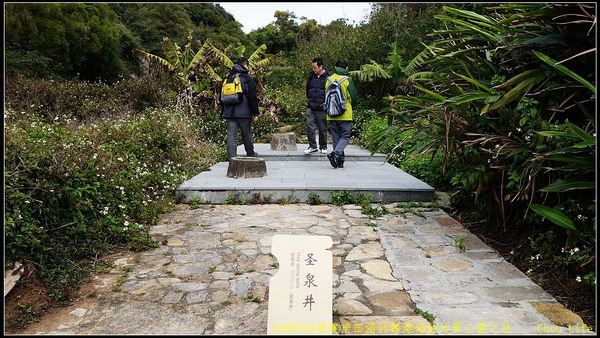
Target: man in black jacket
[[315, 113], [242, 115]]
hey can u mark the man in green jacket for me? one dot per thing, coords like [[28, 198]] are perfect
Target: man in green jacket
[[340, 126]]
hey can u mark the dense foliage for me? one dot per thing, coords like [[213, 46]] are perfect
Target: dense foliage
[[98, 41], [495, 103], [510, 98], [75, 189]]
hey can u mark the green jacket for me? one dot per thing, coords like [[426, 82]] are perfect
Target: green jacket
[[349, 90]]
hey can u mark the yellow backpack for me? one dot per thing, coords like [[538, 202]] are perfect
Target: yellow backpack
[[232, 91]]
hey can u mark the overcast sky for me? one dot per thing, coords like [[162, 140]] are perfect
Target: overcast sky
[[255, 15]]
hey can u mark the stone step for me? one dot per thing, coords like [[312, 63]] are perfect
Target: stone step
[[296, 180], [352, 152]]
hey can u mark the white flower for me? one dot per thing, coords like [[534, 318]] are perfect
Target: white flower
[[120, 159], [578, 279], [528, 271], [126, 223]]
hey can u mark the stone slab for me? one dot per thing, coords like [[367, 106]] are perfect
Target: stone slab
[[296, 177]]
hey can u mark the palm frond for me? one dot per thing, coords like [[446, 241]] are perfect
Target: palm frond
[[160, 60], [421, 76], [370, 72], [257, 55], [420, 59], [224, 59]]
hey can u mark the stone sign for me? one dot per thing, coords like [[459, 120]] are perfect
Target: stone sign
[[300, 294], [285, 142]]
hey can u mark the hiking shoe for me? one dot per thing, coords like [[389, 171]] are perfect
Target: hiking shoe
[[311, 150], [332, 160], [323, 151]]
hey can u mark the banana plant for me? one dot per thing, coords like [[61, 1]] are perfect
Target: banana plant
[[201, 72], [258, 62], [185, 66], [394, 72]]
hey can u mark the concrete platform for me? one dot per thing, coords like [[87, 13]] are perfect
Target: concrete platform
[[353, 153], [295, 178]]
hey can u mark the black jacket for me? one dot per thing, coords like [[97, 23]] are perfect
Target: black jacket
[[249, 106], [315, 89]]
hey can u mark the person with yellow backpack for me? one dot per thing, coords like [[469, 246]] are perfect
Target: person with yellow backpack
[[340, 97], [239, 105]]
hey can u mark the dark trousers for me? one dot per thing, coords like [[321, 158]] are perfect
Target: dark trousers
[[244, 125], [340, 134], [316, 119]]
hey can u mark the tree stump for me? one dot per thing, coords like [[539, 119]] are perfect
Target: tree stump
[[246, 167], [285, 142]]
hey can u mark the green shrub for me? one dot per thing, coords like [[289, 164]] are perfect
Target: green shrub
[[76, 190], [29, 63], [292, 106], [429, 169], [314, 199], [69, 101]]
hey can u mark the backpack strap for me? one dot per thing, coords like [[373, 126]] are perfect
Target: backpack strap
[[343, 78], [243, 83]]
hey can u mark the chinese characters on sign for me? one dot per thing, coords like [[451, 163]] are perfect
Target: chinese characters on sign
[[306, 278]]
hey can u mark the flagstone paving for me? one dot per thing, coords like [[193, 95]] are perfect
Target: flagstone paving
[[211, 274]]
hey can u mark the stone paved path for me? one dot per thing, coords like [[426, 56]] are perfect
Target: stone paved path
[[211, 276]]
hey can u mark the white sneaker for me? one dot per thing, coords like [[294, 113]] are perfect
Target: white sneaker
[[311, 150], [323, 151]]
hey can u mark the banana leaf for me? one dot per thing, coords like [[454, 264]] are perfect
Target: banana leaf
[[553, 216], [434, 96], [469, 14], [569, 184], [468, 97], [565, 70], [160, 60], [518, 78], [579, 162], [515, 93], [474, 82], [582, 134], [556, 133], [548, 39], [491, 36]]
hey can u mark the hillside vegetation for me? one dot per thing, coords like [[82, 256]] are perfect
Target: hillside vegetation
[[109, 107]]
